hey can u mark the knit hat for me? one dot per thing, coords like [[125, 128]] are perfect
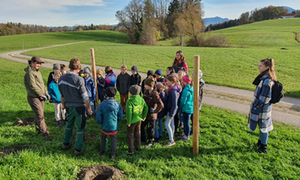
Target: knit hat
[[158, 72], [150, 81], [150, 72], [86, 70], [135, 89], [110, 91], [200, 74], [134, 68], [186, 79], [55, 66]]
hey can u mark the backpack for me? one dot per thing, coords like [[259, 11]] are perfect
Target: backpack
[[277, 92]]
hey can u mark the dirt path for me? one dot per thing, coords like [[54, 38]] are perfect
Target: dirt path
[[238, 100]]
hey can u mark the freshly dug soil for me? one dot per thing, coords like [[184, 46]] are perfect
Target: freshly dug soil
[[13, 149], [100, 172], [24, 122]]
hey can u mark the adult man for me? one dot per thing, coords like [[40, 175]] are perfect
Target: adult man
[[37, 95], [75, 99]]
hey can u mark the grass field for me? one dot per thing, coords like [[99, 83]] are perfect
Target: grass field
[[227, 147]]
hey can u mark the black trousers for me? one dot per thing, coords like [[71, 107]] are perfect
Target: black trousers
[[150, 124], [113, 143]]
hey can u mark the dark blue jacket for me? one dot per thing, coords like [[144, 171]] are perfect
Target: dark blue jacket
[[173, 98], [90, 87], [164, 97], [109, 113]]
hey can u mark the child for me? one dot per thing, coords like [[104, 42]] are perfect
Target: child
[[55, 95], [186, 106], [173, 95], [63, 69], [109, 113], [169, 71], [110, 78], [136, 111], [90, 87], [135, 78], [149, 74], [158, 75], [123, 83], [162, 89], [51, 75], [100, 84], [155, 105]]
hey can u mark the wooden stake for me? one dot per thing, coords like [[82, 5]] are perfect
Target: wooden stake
[[196, 105], [94, 76], [123, 61]]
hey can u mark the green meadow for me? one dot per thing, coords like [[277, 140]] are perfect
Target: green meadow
[[227, 148]]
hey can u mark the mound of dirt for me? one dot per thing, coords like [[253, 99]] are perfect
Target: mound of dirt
[[24, 122], [13, 149], [100, 172]]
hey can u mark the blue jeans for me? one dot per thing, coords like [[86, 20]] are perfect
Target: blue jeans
[[158, 132], [263, 137], [185, 118], [170, 127]]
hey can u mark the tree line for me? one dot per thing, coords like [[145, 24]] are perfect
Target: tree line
[[11, 28], [266, 13]]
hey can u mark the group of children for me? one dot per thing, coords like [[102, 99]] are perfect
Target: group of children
[[170, 97]]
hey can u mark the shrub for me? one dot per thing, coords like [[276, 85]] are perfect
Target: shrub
[[205, 40]]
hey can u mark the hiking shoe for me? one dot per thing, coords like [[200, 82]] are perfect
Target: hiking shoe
[[170, 143], [77, 153], [184, 138], [101, 153], [59, 124], [262, 149], [66, 147], [130, 154], [149, 144]]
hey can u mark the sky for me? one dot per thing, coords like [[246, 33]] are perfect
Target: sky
[[85, 12]]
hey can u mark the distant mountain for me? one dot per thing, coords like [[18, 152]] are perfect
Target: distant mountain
[[214, 20], [289, 9]]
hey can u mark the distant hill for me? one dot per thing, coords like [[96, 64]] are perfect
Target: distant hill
[[214, 20], [289, 9]]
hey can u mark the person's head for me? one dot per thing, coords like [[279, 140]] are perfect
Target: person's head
[[57, 74], [108, 69], [179, 55], [134, 70], [110, 92], [55, 67], [149, 83], [186, 79], [36, 62], [134, 90], [181, 74], [123, 69], [158, 74], [171, 81], [170, 70], [74, 65], [63, 69], [150, 73], [160, 87], [99, 72], [267, 66], [87, 72]]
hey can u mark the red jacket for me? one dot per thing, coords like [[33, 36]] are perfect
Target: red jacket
[[180, 65]]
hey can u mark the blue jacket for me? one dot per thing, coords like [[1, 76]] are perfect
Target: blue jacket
[[54, 92], [109, 113], [173, 97], [90, 87], [110, 80], [164, 98], [186, 100]]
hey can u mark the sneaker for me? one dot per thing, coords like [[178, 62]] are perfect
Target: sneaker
[[77, 153], [130, 154], [149, 144], [59, 123], [101, 153], [112, 157], [184, 138], [66, 147], [170, 143]]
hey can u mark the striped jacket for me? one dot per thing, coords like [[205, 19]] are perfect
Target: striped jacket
[[261, 109]]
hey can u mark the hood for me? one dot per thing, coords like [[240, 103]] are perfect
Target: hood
[[188, 88], [176, 88], [136, 99], [27, 69]]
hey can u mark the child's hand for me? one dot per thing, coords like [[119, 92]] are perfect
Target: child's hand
[[128, 125], [144, 119], [171, 117]]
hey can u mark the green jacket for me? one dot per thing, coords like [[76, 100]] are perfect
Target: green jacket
[[136, 109], [34, 83]]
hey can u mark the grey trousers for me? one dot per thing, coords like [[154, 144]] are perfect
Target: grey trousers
[[113, 143]]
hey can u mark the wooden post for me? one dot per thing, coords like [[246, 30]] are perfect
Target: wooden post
[[196, 105], [94, 76], [182, 43], [123, 61]]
